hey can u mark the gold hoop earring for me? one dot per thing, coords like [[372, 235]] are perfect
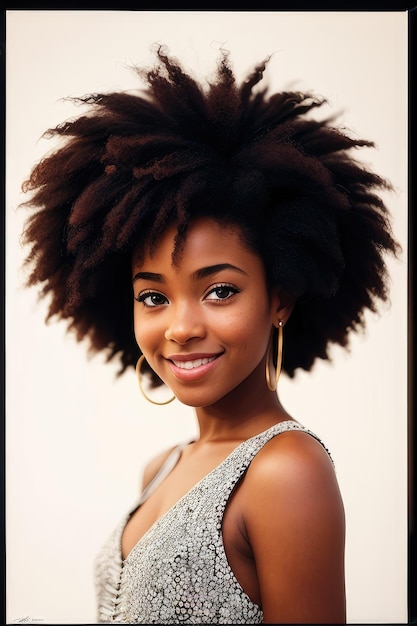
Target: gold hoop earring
[[139, 376], [272, 384]]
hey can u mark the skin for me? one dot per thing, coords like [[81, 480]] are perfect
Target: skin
[[284, 527]]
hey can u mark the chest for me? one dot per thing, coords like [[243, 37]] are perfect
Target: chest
[[190, 470], [182, 562]]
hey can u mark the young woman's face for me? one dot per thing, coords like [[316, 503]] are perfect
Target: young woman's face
[[204, 323]]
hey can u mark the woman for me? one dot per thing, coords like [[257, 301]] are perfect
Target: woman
[[250, 240]]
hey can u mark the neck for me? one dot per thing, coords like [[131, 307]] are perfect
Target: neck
[[246, 411]]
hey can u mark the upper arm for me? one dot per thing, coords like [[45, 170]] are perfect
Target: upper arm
[[294, 520]]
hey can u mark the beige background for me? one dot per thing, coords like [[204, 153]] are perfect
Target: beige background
[[77, 438]]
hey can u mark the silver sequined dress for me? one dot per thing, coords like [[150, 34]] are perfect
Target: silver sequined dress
[[178, 571]]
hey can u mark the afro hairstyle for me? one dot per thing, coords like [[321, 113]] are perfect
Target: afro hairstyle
[[178, 149]]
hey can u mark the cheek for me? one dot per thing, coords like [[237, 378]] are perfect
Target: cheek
[[136, 325], [137, 335], [146, 331], [249, 327]]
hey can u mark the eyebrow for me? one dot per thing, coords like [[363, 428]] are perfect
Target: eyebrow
[[203, 272]]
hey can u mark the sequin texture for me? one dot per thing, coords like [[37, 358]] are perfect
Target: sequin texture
[[178, 571]]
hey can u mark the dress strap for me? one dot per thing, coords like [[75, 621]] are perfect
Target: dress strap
[[162, 473]]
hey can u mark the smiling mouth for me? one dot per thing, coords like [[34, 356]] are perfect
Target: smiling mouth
[[189, 365]]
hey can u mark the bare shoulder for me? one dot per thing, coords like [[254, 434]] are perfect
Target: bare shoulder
[[294, 469], [294, 518], [293, 458], [154, 465]]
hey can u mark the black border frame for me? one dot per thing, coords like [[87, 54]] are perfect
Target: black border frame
[[262, 5]]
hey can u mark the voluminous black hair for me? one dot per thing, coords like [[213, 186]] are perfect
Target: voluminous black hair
[[137, 162]]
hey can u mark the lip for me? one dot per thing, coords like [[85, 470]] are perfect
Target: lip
[[189, 367]]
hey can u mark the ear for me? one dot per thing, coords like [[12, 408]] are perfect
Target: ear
[[282, 305]]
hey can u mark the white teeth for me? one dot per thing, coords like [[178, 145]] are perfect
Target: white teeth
[[189, 365]]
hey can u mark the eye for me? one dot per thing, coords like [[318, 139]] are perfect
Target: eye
[[222, 292], [151, 298]]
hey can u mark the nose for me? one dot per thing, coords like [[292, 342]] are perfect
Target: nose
[[186, 323]]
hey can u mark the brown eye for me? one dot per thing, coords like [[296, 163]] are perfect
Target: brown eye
[[152, 299], [222, 292]]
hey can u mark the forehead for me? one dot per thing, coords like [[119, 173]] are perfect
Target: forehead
[[206, 239]]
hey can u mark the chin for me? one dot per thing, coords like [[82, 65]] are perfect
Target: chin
[[200, 400]]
